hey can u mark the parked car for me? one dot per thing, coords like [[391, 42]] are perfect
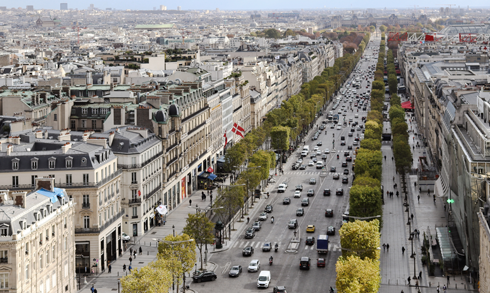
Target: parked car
[[204, 276], [125, 237]]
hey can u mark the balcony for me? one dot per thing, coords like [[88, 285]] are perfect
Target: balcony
[[137, 166], [196, 128], [171, 147], [134, 201], [101, 228], [4, 259], [134, 217], [86, 205], [153, 191], [195, 113]]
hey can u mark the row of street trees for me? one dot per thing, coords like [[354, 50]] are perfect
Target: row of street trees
[[358, 267]]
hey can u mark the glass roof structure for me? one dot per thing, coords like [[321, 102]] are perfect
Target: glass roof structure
[[466, 29]]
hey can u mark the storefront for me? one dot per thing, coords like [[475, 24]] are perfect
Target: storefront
[[205, 180]]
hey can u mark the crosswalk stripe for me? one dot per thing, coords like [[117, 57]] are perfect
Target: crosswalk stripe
[[247, 243], [258, 245], [235, 245]]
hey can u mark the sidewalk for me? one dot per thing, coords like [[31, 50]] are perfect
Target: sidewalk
[[106, 282], [395, 266]]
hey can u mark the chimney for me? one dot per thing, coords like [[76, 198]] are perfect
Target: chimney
[[66, 147], [46, 183], [10, 149], [20, 199], [39, 134]]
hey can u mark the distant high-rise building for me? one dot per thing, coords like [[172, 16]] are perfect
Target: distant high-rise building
[[30, 7], [178, 8], [163, 7], [3, 8], [91, 7], [63, 6]]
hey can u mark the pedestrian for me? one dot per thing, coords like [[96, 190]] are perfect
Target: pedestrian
[[190, 202], [393, 178], [434, 198], [130, 251], [444, 288], [203, 196], [420, 189], [110, 268], [397, 194], [387, 247], [411, 216], [130, 268], [248, 220], [141, 251], [392, 159], [415, 184], [403, 250], [92, 289], [438, 290], [418, 198], [420, 275], [130, 260], [448, 280], [444, 207], [409, 279], [135, 254], [124, 268], [416, 284], [384, 246]]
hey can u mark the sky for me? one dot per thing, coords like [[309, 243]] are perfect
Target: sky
[[243, 5]]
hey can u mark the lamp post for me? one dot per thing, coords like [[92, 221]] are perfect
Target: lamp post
[[173, 230]]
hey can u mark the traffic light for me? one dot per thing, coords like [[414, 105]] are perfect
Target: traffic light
[[450, 200]]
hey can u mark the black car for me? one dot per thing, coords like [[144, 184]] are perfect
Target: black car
[[304, 263], [340, 191], [345, 180], [286, 200], [333, 169], [310, 192], [299, 187], [248, 251], [346, 171], [331, 230], [310, 240], [336, 176], [348, 159], [342, 143], [319, 143], [326, 192], [250, 233], [344, 164], [329, 213], [346, 154], [302, 167], [349, 147], [204, 276], [235, 271], [268, 208], [279, 289]]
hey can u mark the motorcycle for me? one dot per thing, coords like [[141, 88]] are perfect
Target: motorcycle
[[276, 248], [337, 157], [272, 220], [270, 261]]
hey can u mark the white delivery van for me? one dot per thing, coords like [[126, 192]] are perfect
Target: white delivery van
[[306, 148], [264, 279]]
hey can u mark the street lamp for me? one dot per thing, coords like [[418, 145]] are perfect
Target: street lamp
[[173, 229]]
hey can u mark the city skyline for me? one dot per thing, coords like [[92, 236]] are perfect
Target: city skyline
[[250, 5]]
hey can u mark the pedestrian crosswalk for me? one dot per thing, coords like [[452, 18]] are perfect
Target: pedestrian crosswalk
[[258, 245], [310, 172]]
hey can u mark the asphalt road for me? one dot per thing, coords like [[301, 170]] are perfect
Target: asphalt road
[[285, 269]]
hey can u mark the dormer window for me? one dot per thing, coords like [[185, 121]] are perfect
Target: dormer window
[[84, 161], [52, 163], [34, 163], [69, 162], [15, 164], [36, 216], [4, 230]]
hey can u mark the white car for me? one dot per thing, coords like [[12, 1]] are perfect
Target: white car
[[281, 188], [125, 237], [297, 193], [327, 151], [319, 152], [310, 163], [339, 127], [254, 266], [316, 148], [263, 217]]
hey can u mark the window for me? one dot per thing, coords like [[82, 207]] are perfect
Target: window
[[68, 179], [94, 124], [53, 277], [133, 177], [4, 280], [86, 222], [85, 179], [47, 284], [47, 257], [52, 231], [65, 243], [73, 124], [66, 269], [40, 261], [52, 163], [33, 180], [41, 287], [15, 181], [27, 271], [69, 163], [4, 256], [15, 164], [84, 110], [84, 123], [135, 211], [55, 118], [86, 200], [65, 222], [53, 251], [94, 111], [34, 164]]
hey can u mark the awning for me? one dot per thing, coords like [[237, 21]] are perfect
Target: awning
[[207, 175], [407, 105], [162, 209]]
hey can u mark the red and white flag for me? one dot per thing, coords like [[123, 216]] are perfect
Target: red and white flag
[[237, 130], [226, 139], [238, 127]]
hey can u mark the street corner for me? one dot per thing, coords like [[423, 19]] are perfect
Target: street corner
[[211, 266]]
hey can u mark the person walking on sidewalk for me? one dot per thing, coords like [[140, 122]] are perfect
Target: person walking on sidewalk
[[387, 246], [420, 275], [130, 268], [411, 216], [130, 251], [124, 268], [135, 254], [434, 196], [409, 279], [418, 198], [130, 260], [448, 280], [384, 246], [190, 202], [110, 268], [141, 251], [403, 250], [248, 220]]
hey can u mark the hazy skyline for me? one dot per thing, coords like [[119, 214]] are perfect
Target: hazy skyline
[[239, 5]]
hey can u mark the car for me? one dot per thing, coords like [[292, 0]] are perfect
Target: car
[[313, 155], [293, 223], [344, 164], [250, 233], [266, 246], [345, 180], [326, 192], [356, 139], [312, 181], [304, 263], [254, 266], [315, 149], [268, 208], [295, 166], [281, 188], [302, 167], [125, 237], [235, 271], [320, 262], [305, 202], [310, 192], [310, 229], [336, 176], [346, 171], [286, 200], [355, 143], [350, 134], [279, 289], [311, 163], [297, 194], [340, 191], [248, 251], [328, 213], [339, 127], [332, 126], [346, 154], [318, 153], [324, 157], [349, 147], [299, 187], [342, 142], [319, 143], [333, 169], [348, 159], [331, 230], [310, 240], [326, 151], [204, 276], [263, 216], [257, 225], [300, 212]]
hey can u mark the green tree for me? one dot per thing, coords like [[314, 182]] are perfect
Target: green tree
[[251, 179], [366, 181], [360, 238], [280, 139], [230, 198], [402, 154], [368, 163], [371, 144], [392, 83], [355, 275], [396, 111], [179, 252], [365, 201], [382, 28], [235, 156], [152, 278], [263, 159], [200, 228], [378, 85]]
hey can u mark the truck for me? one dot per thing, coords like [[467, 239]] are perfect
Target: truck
[[335, 118], [322, 244]]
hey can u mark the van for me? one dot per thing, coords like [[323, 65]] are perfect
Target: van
[[264, 279], [304, 153], [304, 263], [306, 148], [356, 116]]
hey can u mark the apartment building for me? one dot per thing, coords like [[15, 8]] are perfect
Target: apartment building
[[140, 157], [87, 169], [38, 240]]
